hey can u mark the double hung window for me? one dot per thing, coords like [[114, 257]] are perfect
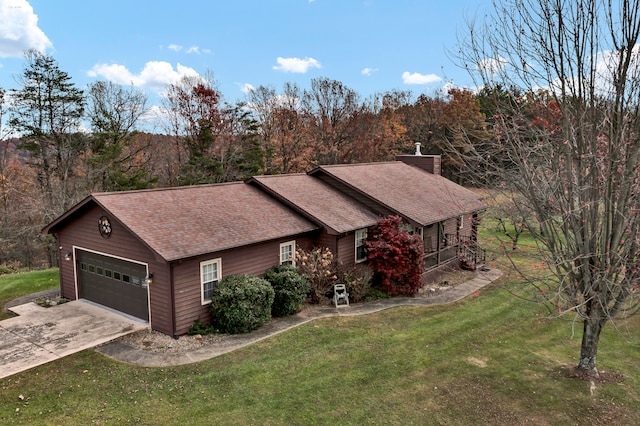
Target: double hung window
[[361, 251], [210, 273], [288, 253]]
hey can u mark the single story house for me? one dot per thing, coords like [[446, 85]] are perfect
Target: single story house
[[157, 254]]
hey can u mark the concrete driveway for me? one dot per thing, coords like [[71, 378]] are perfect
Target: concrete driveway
[[39, 335]]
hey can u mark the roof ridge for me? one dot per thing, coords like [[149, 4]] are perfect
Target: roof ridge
[[169, 188], [278, 175], [360, 164]]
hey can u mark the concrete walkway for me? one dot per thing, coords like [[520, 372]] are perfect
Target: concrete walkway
[[126, 353], [39, 335]]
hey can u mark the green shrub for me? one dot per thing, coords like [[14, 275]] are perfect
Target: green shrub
[[375, 294], [241, 303], [199, 328], [291, 290]]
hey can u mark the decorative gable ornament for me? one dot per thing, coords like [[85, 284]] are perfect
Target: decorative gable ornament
[[104, 226]]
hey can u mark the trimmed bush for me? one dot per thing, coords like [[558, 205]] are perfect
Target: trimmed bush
[[241, 303], [291, 290]]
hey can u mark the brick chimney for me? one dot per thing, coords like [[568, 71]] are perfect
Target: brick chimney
[[429, 163]]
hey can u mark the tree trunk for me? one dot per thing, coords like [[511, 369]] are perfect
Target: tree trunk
[[589, 348]]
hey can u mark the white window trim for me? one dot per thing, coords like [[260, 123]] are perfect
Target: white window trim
[[461, 222], [218, 263], [293, 252], [355, 237]]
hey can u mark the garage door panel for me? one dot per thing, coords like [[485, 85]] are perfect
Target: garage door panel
[[113, 282]]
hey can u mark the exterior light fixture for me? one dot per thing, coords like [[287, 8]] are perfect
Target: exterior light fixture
[[148, 279], [68, 256]]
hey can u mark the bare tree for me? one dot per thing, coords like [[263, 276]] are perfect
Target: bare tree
[[114, 113], [569, 145]]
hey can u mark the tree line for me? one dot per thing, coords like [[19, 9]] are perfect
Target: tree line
[[59, 143]]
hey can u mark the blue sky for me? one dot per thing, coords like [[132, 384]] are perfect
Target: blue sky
[[369, 45]]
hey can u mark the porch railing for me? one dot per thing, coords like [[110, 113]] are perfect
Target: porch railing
[[466, 249]]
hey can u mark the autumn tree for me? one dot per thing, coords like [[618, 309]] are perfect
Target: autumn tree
[[46, 112], [240, 151], [281, 128], [331, 109], [193, 106], [213, 138], [464, 127], [380, 133], [572, 144], [424, 122]]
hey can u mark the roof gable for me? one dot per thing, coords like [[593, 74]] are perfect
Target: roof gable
[[318, 201], [183, 222], [415, 194]]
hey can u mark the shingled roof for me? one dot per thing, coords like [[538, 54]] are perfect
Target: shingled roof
[[318, 201], [418, 195], [188, 221]]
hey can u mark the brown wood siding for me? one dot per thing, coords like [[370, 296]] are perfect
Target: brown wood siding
[[329, 241], [467, 226], [82, 232], [67, 287], [450, 226], [255, 260], [347, 249]]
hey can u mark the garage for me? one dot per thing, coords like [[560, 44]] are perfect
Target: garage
[[113, 282]]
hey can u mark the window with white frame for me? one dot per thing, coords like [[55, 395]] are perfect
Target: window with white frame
[[361, 251], [210, 273], [288, 253]]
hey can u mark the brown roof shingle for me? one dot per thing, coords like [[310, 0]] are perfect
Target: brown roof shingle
[[187, 221], [318, 201], [413, 193]]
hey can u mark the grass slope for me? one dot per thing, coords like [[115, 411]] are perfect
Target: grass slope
[[15, 285], [489, 359]]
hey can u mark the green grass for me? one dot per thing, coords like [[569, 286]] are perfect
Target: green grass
[[15, 285], [489, 359]]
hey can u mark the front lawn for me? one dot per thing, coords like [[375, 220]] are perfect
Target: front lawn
[[13, 286], [489, 359]]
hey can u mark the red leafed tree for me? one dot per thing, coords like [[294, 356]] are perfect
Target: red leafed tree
[[395, 256]]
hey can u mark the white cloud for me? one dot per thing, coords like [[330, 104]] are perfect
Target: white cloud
[[296, 65], [154, 74], [192, 49], [492, 66], [368, 71], [19, 29], [417, 78], [246, 88]]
